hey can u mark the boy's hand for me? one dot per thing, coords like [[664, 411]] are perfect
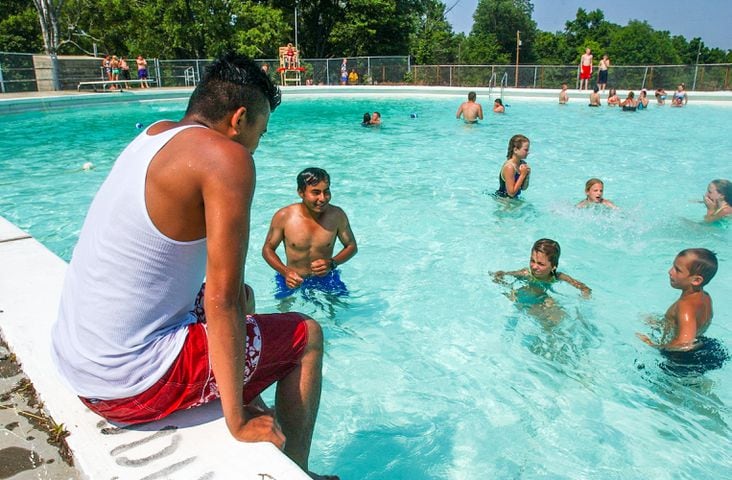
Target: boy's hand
[[645, 339], [292, 279]]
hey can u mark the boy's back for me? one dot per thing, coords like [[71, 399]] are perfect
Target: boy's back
[[687, 319]]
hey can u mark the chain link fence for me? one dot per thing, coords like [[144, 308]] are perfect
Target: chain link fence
[[29, 73], [702, 77]]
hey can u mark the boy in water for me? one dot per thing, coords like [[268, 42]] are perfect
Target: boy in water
[[689, 317], [309, 230]]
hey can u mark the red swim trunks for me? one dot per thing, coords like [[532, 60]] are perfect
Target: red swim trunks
[[586, 72], [275, 343]]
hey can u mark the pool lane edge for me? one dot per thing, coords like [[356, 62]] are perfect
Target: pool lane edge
[[191, 444]]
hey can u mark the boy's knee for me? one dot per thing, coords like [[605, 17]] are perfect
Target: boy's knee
[[315, 334]]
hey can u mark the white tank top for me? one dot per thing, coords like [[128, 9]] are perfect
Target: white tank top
[[129, 289]]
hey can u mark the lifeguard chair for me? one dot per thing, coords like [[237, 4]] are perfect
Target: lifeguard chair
[[290, 70]]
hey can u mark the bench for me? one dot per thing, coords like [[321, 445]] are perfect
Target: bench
[[108, 83], [190, 444]]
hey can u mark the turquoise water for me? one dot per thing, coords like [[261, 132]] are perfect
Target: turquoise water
[[431, 372]]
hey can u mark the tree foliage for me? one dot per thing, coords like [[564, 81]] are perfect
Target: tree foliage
[[500, 20], [332, 28]]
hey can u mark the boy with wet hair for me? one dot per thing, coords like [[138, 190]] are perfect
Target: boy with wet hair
[[688, 318], [309, 230]]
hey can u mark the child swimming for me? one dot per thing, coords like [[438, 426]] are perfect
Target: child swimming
[[593, 190], [688, 318], [515, 172], [542, 272], [717, 198]]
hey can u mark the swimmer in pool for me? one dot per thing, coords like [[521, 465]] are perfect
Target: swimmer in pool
[[515, 172], [471, 111], [595, 97], [630, 103], [308, 230], [563, 96], [542, 272], [689, 317], [375, 118], [498, 106], [593, 190], [717, 199], [612, 98], [366, 119], [660, 96]]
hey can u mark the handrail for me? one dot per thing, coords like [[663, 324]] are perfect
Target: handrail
[[189, 76], [504, 83], [491, 83]]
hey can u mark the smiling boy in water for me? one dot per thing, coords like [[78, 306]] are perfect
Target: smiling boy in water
[[688, 318]]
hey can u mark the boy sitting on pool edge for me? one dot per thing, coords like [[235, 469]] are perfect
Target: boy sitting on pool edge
[[689, 317]]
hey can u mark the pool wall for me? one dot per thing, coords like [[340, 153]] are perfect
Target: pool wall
[[13, 103], [191, 444]]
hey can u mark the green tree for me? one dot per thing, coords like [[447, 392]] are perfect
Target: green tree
[[434, 42], [588, 30], [502, 19], [375, 27], [19, 28], [638, 44]]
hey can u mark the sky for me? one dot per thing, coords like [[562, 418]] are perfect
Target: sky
[[708, 19]]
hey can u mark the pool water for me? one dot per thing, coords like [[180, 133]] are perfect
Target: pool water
[[431, 370]]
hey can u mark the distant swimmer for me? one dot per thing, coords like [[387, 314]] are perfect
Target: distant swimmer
[[717, 199], [595, 97], [471, 111], [612, 98], [643, 100], [375, 118], [498, 106], [593, 190], [563, 96], [308, 230], [366, 119], [87, 166], [515, 172], [630, 103], [660, 96], [688, 318], [680, 98]]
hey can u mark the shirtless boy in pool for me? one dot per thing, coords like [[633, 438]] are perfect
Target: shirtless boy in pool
[[308, 230], [688, 318]]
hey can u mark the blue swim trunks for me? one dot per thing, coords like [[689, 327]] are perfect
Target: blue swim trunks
[[330, 283]]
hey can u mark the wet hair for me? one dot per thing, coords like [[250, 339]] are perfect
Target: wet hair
[[498, 101], [591, 182], [377, 114], [631, 94], [230, 82], [471, 96], [516, 142], [551, 249], [311, 176], [366, 118], [704, 263], [612, 92], [724, 187], [595, 89]]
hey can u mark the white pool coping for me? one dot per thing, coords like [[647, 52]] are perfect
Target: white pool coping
[[193, 444]]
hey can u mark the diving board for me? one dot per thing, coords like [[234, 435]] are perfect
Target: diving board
[[191, 444]]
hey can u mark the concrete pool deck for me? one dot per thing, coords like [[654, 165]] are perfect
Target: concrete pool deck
[[196, 446]]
